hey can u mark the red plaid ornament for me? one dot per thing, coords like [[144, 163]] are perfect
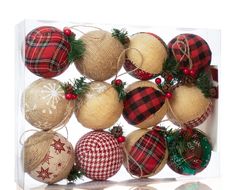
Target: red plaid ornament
[[98, 155], [141, 103], [190, 49], [147, 155], [46, 51]]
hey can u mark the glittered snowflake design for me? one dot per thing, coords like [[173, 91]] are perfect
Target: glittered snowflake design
[[58, 146], [29, 109], [52, 94], [42, 124], [44, 173], [47, 158]]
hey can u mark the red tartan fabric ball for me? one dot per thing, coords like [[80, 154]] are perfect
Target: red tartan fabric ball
[[98, 155], [187, 48], [46, 51], [148, 154]]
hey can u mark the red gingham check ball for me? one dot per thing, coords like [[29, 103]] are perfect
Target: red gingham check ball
[[46, 51], [194, 46], [98, 155]]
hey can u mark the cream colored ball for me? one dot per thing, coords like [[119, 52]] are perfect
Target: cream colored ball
[[48, 157], [45, 106], [188, 106], [100, 108], [100, 59]]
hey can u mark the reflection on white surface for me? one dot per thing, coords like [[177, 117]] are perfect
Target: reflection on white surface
[[135, 184], [193, 186]]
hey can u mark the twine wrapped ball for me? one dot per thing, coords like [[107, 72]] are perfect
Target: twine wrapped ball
[[100, 107], [98, 155], [189, 151], [46, 51], [45, 106], [100, 59], [144, 104], [146, 55], [48, 157], [146, 152], [190, 51], [188, 106]]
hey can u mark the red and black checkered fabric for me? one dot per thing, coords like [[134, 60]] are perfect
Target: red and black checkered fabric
[[147, 153], [199, 51], [46, 51], [141, 103]]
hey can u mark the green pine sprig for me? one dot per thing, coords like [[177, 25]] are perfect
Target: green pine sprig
[[77, 87], [204, 83], [74, 174], [77, 48], [120, 90], [121, 35], [80, 86]]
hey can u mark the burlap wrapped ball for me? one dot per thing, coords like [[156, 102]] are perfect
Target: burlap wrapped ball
[[188, 106], [151, 49], [48, 157], [46, 51], [98, 155], [45, 106], [144, 104], [189, 151], [190, 50], [100, 108], [146, 152], [100, 59]]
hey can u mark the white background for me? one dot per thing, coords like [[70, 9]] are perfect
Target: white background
[[196, 14]]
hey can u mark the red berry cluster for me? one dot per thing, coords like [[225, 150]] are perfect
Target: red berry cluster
[[69, 92], [117, 82], [169, 78], [67, 31], [189, 72], [117, 132]]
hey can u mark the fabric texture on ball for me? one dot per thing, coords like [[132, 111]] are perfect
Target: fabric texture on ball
[[98, 155], [199, 51], [48, 158], [141, 103], [46, 51], [148, 154]]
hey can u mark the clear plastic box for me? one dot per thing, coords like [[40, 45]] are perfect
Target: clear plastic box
[[24, 77]]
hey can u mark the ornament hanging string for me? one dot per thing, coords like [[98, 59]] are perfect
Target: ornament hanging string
[[35, 130], [185, 50], [75, 27], [120, 58]]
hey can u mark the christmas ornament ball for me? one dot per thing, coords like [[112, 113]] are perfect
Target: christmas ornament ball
[[144, 104], [48, 157], [146, 152], [45, 106], [46, 51], [98, 155], [100, 107], [190, 50], [146, 55], [100, 59], [188, 106], [189, 151]]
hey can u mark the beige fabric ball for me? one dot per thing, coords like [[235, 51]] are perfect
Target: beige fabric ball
[[188, 106], [100, 60], [153, 50], [132, 113], [100, 108], [45, 106], [48, 157]]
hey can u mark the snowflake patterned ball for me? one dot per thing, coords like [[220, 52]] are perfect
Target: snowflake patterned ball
[[48, 157], [45, 106], [99, 155]]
